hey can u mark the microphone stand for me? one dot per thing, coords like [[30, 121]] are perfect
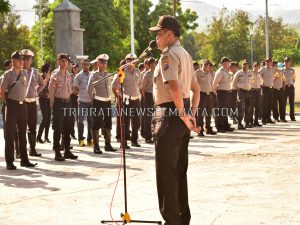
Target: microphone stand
[[125, 216]]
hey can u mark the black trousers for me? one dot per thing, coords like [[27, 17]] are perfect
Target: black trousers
[[278, 103], [74, 104], [255, 105], [267, 102], [103, 113], [15, 118], [61, 124], [205, 110], [233, 100], [171, 147], [147, 117], [223, 109], [289, 93], [31, 118], [132, 118], [143, 122], [244, 105], [46, 116]]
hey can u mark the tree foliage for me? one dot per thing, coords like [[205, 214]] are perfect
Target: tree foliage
[[5, 6]]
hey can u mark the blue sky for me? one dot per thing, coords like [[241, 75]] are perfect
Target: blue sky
[[28, 16]]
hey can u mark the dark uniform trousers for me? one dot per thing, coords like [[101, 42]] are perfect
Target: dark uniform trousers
[[46, 114], [233, 100], [223, 109], [103, 114], [132, 117], [278, 100], [205, 110], [74, 105], [244, 105], [61, 123], [148, 105], [267, 102], [289, 93], [15, 118], [31, 123], [255, 105], [143, 122], [171, 147]]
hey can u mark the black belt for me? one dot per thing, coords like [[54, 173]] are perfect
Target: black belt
[[62, 100], [206, 93], [16, 101]]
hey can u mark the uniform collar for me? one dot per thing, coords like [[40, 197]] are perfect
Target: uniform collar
[[176, 43]]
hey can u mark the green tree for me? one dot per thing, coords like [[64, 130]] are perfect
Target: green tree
[[13, 36], [5, 6]]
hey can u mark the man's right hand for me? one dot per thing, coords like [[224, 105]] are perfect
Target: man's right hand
[[190, 122]]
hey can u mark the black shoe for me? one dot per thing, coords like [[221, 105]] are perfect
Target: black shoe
[[249, 125], [18, 156], [210, 131], [293, 119], [11, 167], [201, 134], [39, 140], [58, 157], [28, 164], [222, 131], [127, 146], [270, 121], [34, 153], [230, 129], [47, 140], [73, 137], [97, 150], [277, 120], [191, 137], [241, 127], [257, 124], [70, 155], [283, 121], [109, 148], [135, 144], [149, 141]]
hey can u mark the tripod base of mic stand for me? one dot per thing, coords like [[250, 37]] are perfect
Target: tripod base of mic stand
[[126, 219]]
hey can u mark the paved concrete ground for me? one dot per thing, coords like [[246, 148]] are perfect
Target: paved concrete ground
[[245, 178]]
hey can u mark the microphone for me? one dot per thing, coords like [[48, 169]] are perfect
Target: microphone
[[151, 47]]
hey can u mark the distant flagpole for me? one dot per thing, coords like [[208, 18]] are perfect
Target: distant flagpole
[[131, 27], [174, 8], [267, 31], [41, 31]]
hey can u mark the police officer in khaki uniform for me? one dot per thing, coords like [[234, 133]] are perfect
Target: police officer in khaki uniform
[[289, 88], [278, 94], [255, 95], [35, 84], [13, 93], [60, 89], [205, 80], [101, 95], [131, 98], [242, 83], [222, 85], [173, 80], [147, 92], [267, 75]]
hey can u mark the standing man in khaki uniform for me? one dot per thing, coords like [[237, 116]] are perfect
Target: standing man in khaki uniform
[[13, 92], [205, 80], [278, 94], [35, 84], [255, 95], [222, 86], [267, 75], [173, 80], [60, 89], [147, 92], [101, 95], [289, 88], [242, 83], [131, 98]]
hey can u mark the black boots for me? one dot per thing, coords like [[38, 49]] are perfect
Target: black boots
[[32, 142], [107, 137], [69, 154], [95, 135]]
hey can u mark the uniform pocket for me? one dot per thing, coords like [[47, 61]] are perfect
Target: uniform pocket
[[159, 124]]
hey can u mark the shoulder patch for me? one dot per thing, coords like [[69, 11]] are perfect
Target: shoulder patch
[[165, 63]]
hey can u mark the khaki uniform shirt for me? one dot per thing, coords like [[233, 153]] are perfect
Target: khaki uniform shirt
[[175, 63], [204, 80], [278, 79], [101, 89], [18, 91], [81, 81], [242, 80], [267, 76], [222, 80], [60, 86], [37, 83], [256, 80], [148, 82], [131, 83], [289, 76]]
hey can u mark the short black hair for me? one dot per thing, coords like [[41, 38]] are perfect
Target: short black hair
[[45, 68]]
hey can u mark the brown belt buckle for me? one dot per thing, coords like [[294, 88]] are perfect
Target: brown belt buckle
[[21, 102]]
